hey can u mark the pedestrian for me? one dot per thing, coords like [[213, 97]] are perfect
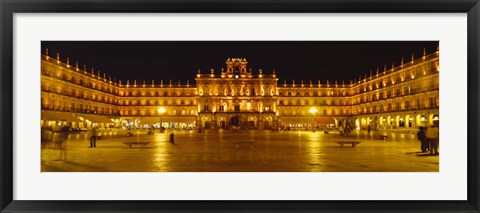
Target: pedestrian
[[172, 138], [62, 142], [93, 138], [421, 136], [432, 134]]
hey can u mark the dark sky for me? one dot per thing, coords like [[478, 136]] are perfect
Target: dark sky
[[292, 60]]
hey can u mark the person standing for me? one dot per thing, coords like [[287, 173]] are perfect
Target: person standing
[[436, 138], [432, 138], [93, 137], [423, 139]]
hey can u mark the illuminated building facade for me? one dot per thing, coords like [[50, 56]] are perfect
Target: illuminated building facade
[[404, 96]]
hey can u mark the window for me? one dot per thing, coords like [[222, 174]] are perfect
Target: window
[[221, 108], [205, 108], [237, 108]]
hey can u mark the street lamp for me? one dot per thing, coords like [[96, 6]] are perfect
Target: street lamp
[[313, 111], [161, 110]]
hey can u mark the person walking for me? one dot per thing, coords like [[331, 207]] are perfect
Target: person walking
[[62, 142], [93, 137], [421, 136]]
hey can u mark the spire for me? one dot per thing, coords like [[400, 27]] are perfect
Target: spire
[[370, 73], [76, 65], [377, 71], [393, 65], [68, 61], [128, 82], [401, 63], [384, 69], [413, 58], [58, 56], [319, 83], [153, 83]]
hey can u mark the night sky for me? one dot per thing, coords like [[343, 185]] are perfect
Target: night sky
[[292, 60]]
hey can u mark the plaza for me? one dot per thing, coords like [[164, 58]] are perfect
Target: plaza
[[241, 151]]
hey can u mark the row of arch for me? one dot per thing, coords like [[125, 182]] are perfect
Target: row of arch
[[397, 121]]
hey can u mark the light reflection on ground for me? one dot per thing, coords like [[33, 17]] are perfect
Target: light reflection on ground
[[246, 151]]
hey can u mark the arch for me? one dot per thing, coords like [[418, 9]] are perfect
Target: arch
[[357, 124], [409, 121], [252, 121], [421, 120], [400, 121]]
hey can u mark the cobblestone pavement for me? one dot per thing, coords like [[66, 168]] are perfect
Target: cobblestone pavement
[[245, 151]]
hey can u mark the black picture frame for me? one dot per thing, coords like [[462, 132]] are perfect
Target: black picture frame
[[9, 7]]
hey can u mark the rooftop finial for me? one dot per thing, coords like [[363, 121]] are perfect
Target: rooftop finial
[[401, 63], [273, 70], [199, 71], [58, 56], [424, 51], [46, 51], [413, 58]]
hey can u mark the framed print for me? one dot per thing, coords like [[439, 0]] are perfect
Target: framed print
[[239, 106]]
